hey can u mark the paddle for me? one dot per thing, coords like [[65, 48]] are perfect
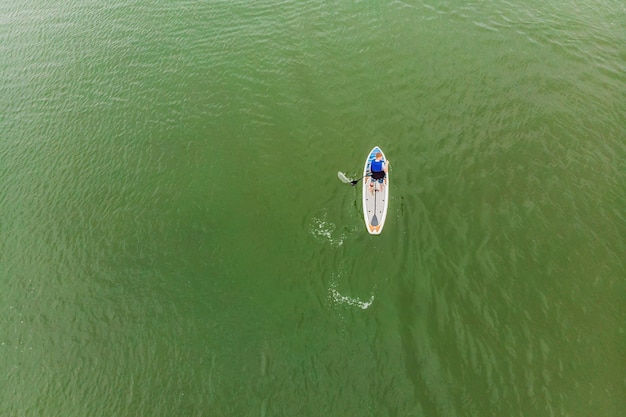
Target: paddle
[[355, 181], [347, 180]]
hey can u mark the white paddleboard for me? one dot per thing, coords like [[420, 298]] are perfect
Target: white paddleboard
[[375, 196]]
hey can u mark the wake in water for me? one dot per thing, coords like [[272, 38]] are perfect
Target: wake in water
[[324, 230], [337, 298]]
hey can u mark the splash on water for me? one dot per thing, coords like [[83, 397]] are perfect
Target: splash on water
[[324, 230], [337, 298]]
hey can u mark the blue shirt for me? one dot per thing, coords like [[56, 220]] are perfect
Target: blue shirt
[[377, 166]]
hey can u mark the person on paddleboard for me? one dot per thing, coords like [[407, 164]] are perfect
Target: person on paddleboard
[[378, 171]]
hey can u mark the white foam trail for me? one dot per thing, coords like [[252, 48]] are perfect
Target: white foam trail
[[339, 298], [323, 229]]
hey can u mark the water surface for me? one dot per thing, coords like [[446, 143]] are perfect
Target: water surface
[[174, 239]]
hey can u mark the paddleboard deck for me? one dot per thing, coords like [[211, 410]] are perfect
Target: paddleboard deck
[[375, 196]]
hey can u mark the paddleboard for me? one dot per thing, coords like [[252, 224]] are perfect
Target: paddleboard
[[375, 196]]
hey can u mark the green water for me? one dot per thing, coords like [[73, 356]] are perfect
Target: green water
[[174, 240]]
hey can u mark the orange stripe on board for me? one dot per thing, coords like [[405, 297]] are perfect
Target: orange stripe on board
[[374, 228]]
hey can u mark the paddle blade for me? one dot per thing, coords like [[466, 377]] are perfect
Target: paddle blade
[[343, 177]]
